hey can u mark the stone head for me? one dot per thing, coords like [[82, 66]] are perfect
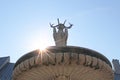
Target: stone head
[[61, 26]]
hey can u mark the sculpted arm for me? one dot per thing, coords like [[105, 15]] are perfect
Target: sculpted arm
[[54, 27], [54, 31], [66, 33], [66, 30]]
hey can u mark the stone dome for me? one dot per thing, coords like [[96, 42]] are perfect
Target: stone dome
[[63, 63]]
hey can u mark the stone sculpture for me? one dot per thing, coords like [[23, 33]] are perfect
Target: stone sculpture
[[60, 36]]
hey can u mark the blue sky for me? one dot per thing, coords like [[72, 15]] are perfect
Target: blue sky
[[24, 24]]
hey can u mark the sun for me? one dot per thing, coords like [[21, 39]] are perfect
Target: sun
[[41, 45]]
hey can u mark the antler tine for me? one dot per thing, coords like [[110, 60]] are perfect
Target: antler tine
[[58, 20], [51, 25], [64, 22], [69, 26]]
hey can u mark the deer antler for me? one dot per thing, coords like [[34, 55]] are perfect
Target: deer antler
[[51, 25], [58, 21], [69, 26], [64, 22]]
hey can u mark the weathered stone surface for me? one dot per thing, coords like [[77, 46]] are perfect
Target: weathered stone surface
[[63, 65]]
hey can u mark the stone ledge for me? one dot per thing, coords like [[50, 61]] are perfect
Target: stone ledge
[[68, 49]]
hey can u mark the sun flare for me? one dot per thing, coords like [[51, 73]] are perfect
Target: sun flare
[[41, 45]]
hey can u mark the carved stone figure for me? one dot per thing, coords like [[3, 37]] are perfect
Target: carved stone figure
[[60, 36], [116, 66]]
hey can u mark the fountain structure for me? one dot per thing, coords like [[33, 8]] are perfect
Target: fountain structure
[[62, 62]]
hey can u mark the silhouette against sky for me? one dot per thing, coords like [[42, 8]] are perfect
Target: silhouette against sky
[[24, 25]]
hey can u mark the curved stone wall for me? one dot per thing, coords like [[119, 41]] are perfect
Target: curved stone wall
[[63, 63]]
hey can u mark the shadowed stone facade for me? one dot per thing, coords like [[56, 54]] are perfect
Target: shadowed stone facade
[[6, 68], [116, 65]]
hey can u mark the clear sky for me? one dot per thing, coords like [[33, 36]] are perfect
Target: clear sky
[[24, 25]]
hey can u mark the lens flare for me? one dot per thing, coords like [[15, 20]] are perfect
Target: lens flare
[[39, 45], [42, 47]]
